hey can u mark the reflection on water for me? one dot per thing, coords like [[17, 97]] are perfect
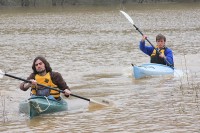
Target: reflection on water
[[94, 48]]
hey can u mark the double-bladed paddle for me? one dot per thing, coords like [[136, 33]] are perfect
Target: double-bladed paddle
[[102, 102], [131, 21]]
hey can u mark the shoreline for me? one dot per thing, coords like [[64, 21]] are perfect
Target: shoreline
[[63, 3]]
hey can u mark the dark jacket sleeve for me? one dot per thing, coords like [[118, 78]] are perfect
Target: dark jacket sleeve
[[58, 80], [31, 76]]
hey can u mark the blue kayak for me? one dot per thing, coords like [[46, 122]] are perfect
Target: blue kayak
[[41, 105], [151, 69]]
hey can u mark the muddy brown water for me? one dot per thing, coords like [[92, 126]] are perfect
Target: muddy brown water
[[93, 48]]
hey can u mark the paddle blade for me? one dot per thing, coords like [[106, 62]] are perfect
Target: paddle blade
[[1, 74], [128, 17], [100, 101]]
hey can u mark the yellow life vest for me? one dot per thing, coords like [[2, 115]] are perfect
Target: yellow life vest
[[162, 51], [47, 81], [155, 56]]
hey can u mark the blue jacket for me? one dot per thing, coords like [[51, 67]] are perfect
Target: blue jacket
[[149, 50]]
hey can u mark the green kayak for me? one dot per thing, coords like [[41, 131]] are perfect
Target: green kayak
[[41, 105]]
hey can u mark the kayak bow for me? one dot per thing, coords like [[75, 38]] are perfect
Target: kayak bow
[[151, 69], [41, 105]]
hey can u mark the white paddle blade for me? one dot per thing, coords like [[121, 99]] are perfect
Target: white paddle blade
[[100, 102], [128, 17], [1, 74]]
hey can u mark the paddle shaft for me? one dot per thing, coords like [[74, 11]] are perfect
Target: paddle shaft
[[28, 81], [80, 97], [146, 38]]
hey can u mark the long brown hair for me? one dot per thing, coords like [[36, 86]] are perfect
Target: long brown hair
[[46, 63]]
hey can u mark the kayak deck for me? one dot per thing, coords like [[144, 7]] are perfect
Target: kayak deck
[[151, 69], [41, 105]]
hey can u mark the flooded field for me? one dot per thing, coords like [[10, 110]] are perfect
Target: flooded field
[[93, 48]]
